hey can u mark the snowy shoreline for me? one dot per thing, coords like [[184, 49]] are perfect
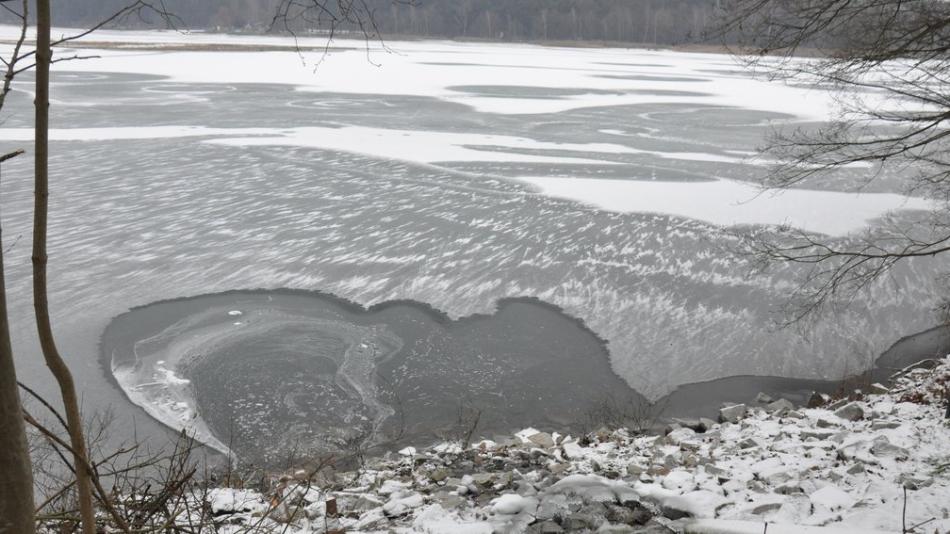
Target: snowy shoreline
[[843, 466]]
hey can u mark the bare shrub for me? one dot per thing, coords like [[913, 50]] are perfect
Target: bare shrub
[[636, 414], [467, 420]]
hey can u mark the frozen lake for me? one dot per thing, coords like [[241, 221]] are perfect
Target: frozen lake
[[602, 181]]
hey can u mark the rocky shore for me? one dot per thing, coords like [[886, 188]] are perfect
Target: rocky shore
[[876, 460]]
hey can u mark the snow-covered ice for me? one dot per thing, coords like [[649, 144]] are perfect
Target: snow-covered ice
[[730, 202]]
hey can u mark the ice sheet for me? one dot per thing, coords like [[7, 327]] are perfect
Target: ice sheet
[[432, 68]]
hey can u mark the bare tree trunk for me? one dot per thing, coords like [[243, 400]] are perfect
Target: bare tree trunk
[[40, 302], [16, 475]]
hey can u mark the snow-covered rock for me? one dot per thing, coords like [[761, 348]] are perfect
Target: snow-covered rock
[[832, 469], [732, 414]]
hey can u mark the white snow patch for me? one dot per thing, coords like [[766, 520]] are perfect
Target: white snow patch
[[512, 504], [729, 202]]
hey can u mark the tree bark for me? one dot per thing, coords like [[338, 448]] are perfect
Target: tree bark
[[16, 475], [54, 361]]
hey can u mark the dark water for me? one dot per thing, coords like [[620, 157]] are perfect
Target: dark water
[[705, 398], [291, 385]]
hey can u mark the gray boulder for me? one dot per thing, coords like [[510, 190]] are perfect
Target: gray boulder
[[696, 425], [780, 406], [817, 399], [850, 412], [545, 527], [732, 414], [542, 439], [707, 424], [884, 425], [628, 515], [766, 508], [915, 482], [883, 448]]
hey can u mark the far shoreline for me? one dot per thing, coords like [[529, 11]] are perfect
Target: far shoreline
[[580, 44]]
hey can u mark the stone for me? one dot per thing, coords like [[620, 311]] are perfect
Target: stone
[[878, 389], [914, 482], [882, 447], [545, 527], [628, 497], [691, 460], [552, 506], [675, 509], [763, 398], [438, 475], [856, 469], [816, 400], [449, 501], [837, 404], [715, 471], [656, 471], [691, 445], [363, 503], [671, 461], [401, 505], [575, 523], [794, 414], [766, 508], [679, 435], [825, 423], [776, 478], [732, 414], [840, 437], [748, 443], [707, 424], [657, 525], [884, 425], [673, 427], [589, 517], [791, 488], [780, 406], [558, 469], [635, 469], [483, 479], [693, 424], [506, 442], [542, 439], [832, 498], [637, 515], [817, 434], [850, 412]]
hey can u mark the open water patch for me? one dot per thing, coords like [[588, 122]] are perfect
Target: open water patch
[[261, 374]]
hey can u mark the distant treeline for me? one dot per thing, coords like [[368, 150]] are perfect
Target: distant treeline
[[633, 21]]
